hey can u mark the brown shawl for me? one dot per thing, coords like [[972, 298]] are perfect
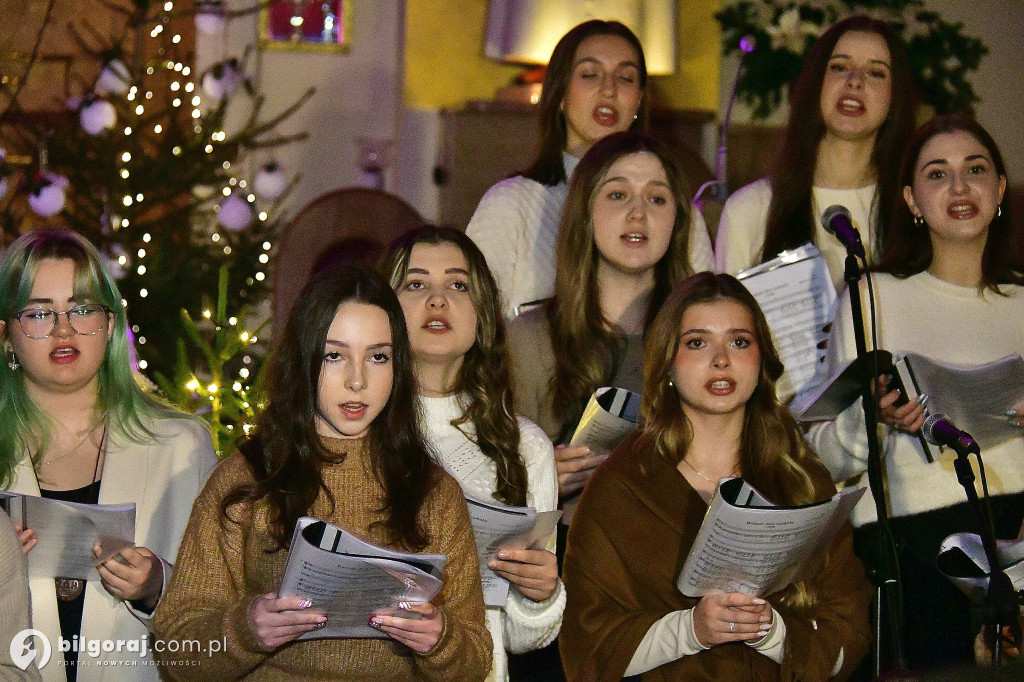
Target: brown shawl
[[631, 533]]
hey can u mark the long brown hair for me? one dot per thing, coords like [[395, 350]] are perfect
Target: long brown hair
[[908, 246], [790, 215], [287, 454], [547, 168], [773, 453], [587, 347], [484, 377]]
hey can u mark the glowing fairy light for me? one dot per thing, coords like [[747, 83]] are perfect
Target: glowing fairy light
[[215, 237], [196, 113], [158, 129], [244, 373], [124, 173], [127, 200], [142, 253], [126, 157], [143, 364], [260, 277], [232, 321], [142, 270], [193, 384], [128, 130], [237, 386], [266, 246], [263, 215], [207, 314], [143, 293]]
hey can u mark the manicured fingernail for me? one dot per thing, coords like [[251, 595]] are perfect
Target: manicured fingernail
[[760, 601], [502, 555], [374, 623], [923, 399], [320, 625], [305, 604], [404, 605], [321, 619], [1014, 422], [1011, 413]]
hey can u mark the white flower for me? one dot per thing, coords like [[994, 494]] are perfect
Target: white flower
[[789, 33]]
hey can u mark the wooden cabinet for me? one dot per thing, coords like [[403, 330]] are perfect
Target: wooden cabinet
[[486, 141]]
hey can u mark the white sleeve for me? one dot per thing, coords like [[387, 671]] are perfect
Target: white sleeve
[[669, 638], [528, 624], [841, 444], [741, 228], [497, 228], [702, 258]]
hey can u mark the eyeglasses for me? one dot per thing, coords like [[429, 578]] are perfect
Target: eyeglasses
[[39, 323]]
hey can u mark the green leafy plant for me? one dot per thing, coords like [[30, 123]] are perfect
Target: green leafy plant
[[941, 56], [225, 390]]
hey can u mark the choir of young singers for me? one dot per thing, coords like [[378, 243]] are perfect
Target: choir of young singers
[[392, 396]]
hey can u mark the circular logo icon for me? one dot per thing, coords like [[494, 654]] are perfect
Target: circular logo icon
[[23, 650]]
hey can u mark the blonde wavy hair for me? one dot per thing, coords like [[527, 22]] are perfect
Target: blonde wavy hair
[[773, 452]]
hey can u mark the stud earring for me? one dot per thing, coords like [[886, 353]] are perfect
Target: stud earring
[[919, 220], [12, 361], [999, 211], [635, 116]]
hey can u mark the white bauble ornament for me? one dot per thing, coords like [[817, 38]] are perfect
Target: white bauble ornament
[[235, 213], [210, 17], [114, 78], [270, 181], [3, 187], [48, 199], [97, 117], [222, 80]]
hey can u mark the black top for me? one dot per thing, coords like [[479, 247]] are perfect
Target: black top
[[70, 612]]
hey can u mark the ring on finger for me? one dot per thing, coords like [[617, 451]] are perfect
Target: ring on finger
[[732, 626]]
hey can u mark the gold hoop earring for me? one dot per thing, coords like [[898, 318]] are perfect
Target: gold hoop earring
[[999, 211], [919, 220]]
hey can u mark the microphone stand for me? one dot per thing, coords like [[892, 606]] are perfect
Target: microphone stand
[[999, 604], [885, 577]]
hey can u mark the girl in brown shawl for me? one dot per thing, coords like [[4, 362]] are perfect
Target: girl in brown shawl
[[710, 412]]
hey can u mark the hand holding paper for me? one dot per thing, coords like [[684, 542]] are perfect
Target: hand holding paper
[[575, 464], [133, 574], [278, 620], [534, 572], [419, 634]]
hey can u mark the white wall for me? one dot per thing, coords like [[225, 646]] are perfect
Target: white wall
[[999, 82], [358, 94]]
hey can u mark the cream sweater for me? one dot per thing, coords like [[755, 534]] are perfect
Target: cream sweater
[[744, 220], [523, 624], [516, 227], [945, 322]]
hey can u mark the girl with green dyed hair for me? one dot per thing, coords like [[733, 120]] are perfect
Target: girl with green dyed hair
[[79, 428]]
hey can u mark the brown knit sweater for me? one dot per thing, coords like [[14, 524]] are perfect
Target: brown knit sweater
[[223, 567]]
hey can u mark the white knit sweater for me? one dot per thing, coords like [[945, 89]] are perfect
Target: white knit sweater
[[523, 624], [744, 221], [516, 227], [945, 322]]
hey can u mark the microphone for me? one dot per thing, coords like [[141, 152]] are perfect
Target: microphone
[[836, 220], [938, 431]]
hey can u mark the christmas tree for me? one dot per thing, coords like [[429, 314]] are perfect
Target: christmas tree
[[137, 158]]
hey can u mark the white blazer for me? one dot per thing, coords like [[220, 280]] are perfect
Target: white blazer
[[163, 479]]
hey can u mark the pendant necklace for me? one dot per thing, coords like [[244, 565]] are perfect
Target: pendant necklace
[[701, 473]]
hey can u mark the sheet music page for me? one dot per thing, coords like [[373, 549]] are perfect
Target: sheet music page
[[973, 397], [67, 532], [497, 527], [602, 427], [962, 560], [759, 550], [351, 580], [798, 300]]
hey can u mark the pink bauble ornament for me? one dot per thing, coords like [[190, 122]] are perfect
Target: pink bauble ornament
[[235, 213], [114, 78], [97, 117], [270, 181], [48, 198]]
